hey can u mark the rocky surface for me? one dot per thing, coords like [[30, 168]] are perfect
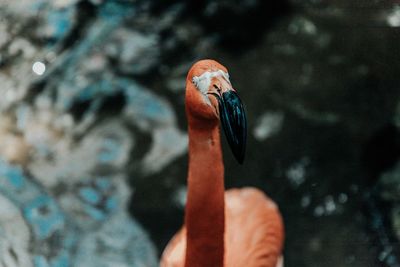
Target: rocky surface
[[93, 134]]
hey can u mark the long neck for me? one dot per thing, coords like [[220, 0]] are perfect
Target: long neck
[[204, 214]]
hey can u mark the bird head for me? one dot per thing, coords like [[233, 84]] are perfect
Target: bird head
[[210, 98]]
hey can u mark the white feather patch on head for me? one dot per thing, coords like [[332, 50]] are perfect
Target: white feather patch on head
[[203, 81]]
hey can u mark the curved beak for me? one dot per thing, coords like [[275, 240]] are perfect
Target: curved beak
[[234, 123]]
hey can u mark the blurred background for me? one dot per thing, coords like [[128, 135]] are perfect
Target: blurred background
[[93, 141]]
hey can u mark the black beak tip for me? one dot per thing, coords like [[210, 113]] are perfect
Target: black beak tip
[[238, 151], [234, 123]]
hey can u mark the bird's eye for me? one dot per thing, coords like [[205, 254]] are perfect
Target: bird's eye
[[216, 87]]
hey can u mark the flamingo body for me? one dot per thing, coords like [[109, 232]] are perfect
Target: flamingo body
[[253, 232], [236, 228]]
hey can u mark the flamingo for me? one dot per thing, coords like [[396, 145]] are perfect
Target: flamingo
[[236, 228]]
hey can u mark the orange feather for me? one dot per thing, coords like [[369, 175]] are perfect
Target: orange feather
[[238, 228]]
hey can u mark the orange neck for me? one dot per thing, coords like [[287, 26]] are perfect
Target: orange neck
[[204, 214]]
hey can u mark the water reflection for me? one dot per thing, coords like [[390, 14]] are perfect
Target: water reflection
[[38, 68]]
